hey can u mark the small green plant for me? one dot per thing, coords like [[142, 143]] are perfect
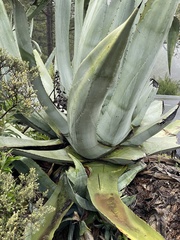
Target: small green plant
[[21, 205], [168, 87], [6, 159], [35, 134]]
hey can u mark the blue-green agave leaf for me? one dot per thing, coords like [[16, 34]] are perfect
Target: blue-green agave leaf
[[35, 8], [143, 133], [58, 156], [90, 87], [62, 21], [142, 48], [153, 113], [126, 178], [24, 43], [106, 16], [44, 74], [145, 100], [37, 122], [78, 22], [173, 36], [18, 142], [7, 39], [78, 176], [77, 198]]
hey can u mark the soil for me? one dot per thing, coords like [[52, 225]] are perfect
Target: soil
[[157, 191]]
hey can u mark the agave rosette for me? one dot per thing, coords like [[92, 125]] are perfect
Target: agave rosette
[[111, 112]]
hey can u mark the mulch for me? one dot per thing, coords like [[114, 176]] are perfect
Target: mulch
[[157, 190]]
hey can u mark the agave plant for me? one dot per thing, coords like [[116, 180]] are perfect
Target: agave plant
[[112, 120]]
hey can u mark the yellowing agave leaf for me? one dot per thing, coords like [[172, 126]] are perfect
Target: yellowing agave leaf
[[102, 187], [60, 204], [165, 140], [125, 155]]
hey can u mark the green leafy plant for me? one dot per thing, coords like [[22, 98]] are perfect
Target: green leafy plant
[[111, 120], [6, 160], [16, 93], [168, 87], [19, 200]]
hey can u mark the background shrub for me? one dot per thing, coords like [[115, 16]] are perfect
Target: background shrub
[[168, 87]]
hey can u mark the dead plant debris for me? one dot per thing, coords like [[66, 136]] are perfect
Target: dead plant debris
[[158, 196]]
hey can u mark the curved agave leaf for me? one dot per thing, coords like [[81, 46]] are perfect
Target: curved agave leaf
[[59, 156], [44, 74], [89, 89], [145, 132], [62, 20], [126, 178], [36, 47], [141, 51], [125, 155], [146, 98], [77, 198], [102, 187], [78, 21], [35, 8], [171, 130], [42, 122], [50, 59], [24, 43], [11, 131], [172, 40], [7, 40], [106, 16], [166, 140], [45, 183], [156, 145], [60, 203], [22, 31], [77, 176], [37, 122], [77, 184], [153, 113], [54, 125], [12, 142], [163, 141]]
